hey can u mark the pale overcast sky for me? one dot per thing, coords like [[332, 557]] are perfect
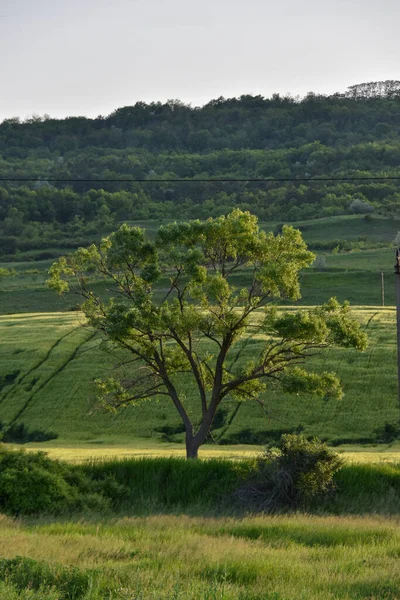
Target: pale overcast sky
[[88, 57]]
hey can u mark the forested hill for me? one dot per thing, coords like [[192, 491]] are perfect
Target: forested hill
[[366, 113], [351, 134]]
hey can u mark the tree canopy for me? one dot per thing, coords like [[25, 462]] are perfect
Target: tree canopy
[[356, 134], [221, 277]]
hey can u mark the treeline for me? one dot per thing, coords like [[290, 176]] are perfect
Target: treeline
[[355, 134], [367, 112]]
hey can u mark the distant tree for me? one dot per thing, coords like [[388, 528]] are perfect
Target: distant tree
[[389, 89], [359, 206], [320, 263], [205, 321]]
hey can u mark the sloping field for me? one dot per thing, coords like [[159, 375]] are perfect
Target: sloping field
[[354, 275], [49, 362]]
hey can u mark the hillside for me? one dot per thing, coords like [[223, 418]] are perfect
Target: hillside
[[49, 363], [356, 134]]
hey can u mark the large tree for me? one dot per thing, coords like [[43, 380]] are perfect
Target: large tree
[[190, 302]]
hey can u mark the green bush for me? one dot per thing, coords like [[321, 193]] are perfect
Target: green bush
[[293, 475], [32, 483], [387, 434], [18, 433]]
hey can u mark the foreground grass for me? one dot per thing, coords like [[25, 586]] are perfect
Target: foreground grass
[[170, 557], [180, 533]]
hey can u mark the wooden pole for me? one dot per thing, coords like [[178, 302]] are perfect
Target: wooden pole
[[383, 288], [397, 275]]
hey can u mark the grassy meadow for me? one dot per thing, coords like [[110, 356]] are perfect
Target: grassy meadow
[[173, 539], [204, 558], [353, 274], [50, 362], [83, 452]]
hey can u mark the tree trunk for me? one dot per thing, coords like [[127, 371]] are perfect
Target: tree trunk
[[192, 447], [192, 451]]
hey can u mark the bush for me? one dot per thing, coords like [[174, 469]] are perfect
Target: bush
[[387, 434], [360, 207], [18, 433], [319, 263], [32, 483], [293, 475]]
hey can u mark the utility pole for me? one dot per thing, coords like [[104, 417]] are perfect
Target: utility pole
[[383, 288], [397, 275]]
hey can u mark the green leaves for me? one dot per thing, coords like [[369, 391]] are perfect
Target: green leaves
[[125, 258], [331, 323], [220, 273], [127, 250], [297, 380], [305, 326], [345, 330], [280, 258]]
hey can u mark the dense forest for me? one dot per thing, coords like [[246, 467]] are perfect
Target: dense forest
[[355, 134]]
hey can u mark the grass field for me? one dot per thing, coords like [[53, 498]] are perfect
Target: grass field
[[351, 275], [49, 362], [143, 448], [183, 558], [27, 293]]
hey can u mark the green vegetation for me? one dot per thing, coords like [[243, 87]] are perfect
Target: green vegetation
[[209, 487], [203, 326], [201, 550], [298, 474], [352, 274], [171, 557], [48, 385], [295, 474], [302, 474], [352, 134]]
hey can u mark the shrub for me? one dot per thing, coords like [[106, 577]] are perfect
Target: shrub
[[32, 483], [319, 263], [293, 475], [360, 207], [18, 433], [387, 434]]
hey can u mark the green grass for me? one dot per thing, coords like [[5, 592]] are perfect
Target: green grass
[[170, 558], [347, 279], [205, 487], [81, 452], [178, 536], [376, 261], [49, 362], [351, 275], [349, 228]]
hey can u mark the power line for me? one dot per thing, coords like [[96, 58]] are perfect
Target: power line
[[217, 180]]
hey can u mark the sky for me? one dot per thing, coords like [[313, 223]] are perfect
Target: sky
[[89, 57]]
